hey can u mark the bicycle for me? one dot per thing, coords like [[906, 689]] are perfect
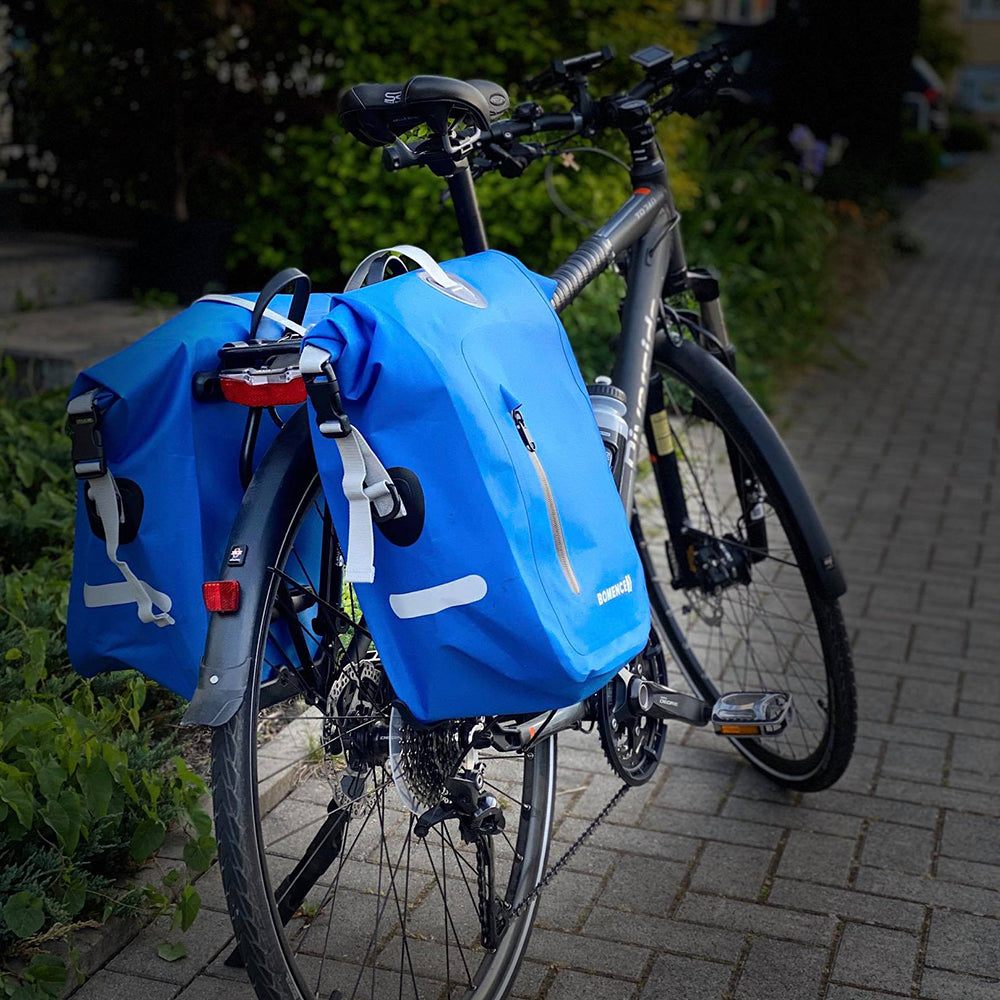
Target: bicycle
[[343, 886]]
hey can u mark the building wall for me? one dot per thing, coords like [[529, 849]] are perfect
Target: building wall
[[739, 12], [978, 83]]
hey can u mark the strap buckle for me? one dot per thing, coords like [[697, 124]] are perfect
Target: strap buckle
[[325, 398], [87, 446]]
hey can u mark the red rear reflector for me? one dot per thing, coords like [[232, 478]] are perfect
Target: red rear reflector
[[221, 595], [641, 191], [264, 387]]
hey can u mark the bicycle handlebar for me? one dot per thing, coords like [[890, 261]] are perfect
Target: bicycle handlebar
[[693, 80]]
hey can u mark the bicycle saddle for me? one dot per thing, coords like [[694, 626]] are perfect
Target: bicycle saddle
[[377, 113]]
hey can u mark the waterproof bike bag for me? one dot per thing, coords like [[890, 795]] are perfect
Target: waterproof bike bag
[[481, 525], [159, 488]]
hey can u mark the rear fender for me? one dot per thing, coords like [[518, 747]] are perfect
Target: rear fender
[[280, 483]]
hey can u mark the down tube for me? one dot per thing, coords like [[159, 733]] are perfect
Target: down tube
[[650, 259]]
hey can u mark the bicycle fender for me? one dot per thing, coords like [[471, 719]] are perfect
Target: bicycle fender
[[277, 485], [726, 397]]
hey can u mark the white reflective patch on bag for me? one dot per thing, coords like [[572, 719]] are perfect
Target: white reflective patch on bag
[[454, 594]]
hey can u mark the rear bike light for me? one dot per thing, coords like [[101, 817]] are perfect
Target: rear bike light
[[263, 386], [221, 595]]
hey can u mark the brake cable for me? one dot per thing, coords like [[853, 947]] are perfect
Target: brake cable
[[554, 196]]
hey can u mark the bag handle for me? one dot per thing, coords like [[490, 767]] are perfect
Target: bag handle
[[301, 287], [435, 275]]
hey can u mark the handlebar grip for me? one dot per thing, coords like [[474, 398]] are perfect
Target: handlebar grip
[[512, 128], [587, 261]]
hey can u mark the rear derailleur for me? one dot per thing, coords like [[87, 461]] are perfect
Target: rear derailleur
[[480, 818]]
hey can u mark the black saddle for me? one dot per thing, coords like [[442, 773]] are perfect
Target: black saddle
[[378, 113]]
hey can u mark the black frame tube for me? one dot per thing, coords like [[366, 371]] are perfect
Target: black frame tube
[[470, 222]]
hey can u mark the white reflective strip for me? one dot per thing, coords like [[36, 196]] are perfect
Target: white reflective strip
[[455, 593], [235, 300]]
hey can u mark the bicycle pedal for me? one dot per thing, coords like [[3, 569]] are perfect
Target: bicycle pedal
[[752, 713]]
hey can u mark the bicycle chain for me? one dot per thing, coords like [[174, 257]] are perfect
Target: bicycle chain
[[571, 850]]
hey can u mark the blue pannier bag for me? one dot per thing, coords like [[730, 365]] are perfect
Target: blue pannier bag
[[159, 487], [470, 488]]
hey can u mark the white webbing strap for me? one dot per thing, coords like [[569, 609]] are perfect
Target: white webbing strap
[[104, 493], [235, 300], [365, 484], [420, 257]]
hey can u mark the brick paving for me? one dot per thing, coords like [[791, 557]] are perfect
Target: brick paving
[[711, 884]]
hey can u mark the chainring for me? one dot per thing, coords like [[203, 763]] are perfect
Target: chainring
[[633, 743]]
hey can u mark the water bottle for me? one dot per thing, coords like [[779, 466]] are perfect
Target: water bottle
[[608, 402]]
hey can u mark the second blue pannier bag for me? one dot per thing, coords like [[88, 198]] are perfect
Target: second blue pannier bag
[[152, 524], [471, 493]]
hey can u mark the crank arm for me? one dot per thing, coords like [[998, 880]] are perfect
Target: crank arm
[[737, 714], [658, 701]]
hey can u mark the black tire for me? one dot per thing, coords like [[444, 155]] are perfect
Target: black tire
[[782, 631], [290, 960]]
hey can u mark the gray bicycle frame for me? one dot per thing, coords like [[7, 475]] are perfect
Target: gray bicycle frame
[[646, 228]]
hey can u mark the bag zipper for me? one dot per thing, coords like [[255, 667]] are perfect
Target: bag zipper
[[555, 524]]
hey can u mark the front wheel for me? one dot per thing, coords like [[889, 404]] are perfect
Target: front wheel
[[318, 783], [732, 578]]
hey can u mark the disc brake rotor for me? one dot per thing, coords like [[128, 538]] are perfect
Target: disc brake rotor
[[351, 740]]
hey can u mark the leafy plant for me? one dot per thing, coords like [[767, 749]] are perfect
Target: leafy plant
[[967, 135], [770, 239], [919, 158], [324, 200], [939, 41], [89, 780]]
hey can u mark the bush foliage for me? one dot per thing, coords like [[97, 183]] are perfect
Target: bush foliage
[[89, 783]]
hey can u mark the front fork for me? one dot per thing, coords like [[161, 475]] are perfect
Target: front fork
[[704, 286]]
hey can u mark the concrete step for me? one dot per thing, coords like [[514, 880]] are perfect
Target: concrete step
[[40, 270], [49, 346]]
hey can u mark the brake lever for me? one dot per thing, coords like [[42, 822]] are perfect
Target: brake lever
[[514, 161]]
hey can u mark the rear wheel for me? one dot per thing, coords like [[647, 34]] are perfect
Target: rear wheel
[[752, 614], [319, 783]]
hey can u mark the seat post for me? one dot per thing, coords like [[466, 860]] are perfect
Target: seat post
[[470, 222]]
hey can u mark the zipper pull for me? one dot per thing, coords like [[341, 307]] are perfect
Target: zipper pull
[[522, 429]]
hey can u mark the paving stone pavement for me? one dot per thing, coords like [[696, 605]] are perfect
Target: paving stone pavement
[[709, 883]]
